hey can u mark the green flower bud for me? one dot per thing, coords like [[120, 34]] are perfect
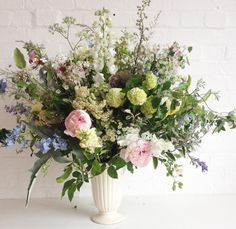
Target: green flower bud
[[137, 96], [150, 81], [115, 98], [147, 108]]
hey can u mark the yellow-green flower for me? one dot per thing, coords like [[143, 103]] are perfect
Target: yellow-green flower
[[37, 107], [115, 98], [137, 96], [88, 139], [171, 112], [147, 108], [150, 81]]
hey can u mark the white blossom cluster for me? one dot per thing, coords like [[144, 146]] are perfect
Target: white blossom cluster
[[103, 46], [158, 145]]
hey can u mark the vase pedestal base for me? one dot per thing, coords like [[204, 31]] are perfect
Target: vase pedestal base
[[107, 218]]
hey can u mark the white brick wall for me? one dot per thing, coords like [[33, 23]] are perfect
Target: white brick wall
[[208, 25]]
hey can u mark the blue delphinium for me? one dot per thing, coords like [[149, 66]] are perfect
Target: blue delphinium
[[12, 136], [55, 143], [3, 86], [24, 143], [59, 143], [44, 145]]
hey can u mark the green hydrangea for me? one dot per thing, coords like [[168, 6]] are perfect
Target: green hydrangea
[[147, 108], [115, 98], [88, 139], [137, 96], [150, 81]]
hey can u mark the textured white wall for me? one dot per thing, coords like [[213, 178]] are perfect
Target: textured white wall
[[208, 25]]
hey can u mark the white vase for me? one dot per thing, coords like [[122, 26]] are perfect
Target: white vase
[[107, 195]]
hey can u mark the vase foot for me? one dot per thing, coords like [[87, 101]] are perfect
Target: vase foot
[[107, 218]]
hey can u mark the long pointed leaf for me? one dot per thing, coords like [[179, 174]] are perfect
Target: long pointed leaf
[[60, 159], [37, 166]]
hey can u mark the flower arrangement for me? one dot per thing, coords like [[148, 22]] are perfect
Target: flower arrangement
[[112, 102]]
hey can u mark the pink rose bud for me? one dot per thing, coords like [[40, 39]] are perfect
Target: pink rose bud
[[138, 152], [34, 58], [77, 120]]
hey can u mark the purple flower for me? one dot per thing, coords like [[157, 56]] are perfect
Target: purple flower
[[197, 163], [35, 118], [3, 86], [155, 73], [19, 108], [203, 165]]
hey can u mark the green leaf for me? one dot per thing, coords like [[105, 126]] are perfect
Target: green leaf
[[206, 96], [180, 184], [188, 83], [71, 191], [130, 167], [155, 162], [190, 48], [3, 135], [36, 168], [19, 59], [134, 81], [219, 126], [66, 185], [166, 85], [79, 184], [174, 104], [156, 101], [177, 94], [118, 162], [65, 175], [112, 172], [21, 84], [60, 159], [88, 155], [77, 174], [171, 156], [96, 168]]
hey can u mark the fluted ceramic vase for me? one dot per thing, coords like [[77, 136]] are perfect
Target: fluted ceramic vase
[[107, 195]]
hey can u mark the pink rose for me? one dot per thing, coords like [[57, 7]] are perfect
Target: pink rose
[[76, 120], [138, 152]]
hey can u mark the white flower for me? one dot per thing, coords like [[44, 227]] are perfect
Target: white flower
[[98, 78], [156, 146], [160, 145], [168, 146], [112, 69], [131, 136]]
